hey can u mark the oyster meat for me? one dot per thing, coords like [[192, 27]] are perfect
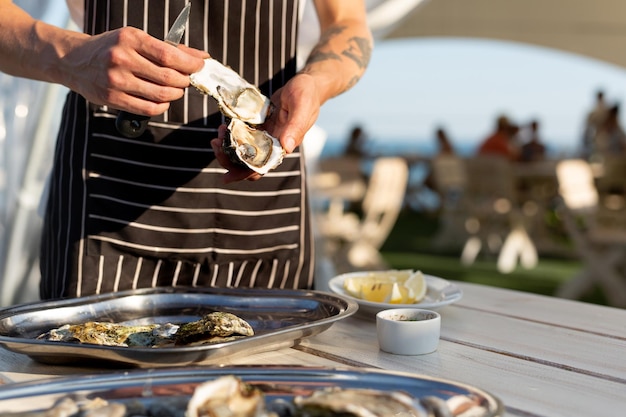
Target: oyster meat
[[257, 149], [215, 327], [227, 396], [358, 403], [237, 98]]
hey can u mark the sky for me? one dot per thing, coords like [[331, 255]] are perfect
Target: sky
[[414, 85]]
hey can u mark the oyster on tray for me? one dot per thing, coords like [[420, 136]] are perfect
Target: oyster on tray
[[358, 403], [227, 396], [215, 327], [243, 103]]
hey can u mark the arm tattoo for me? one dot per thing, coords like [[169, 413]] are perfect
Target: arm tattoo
[[359, 51], [317, 54]]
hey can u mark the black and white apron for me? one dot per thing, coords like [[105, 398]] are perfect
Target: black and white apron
[[148, 212]]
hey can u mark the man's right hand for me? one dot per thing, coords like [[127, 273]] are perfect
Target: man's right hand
[[127, 69]]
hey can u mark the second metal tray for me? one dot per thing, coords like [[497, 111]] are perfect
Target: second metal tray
[[279, 383], [279, 318]]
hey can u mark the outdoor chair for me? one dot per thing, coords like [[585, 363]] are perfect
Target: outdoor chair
[[494, 219], [450, 181], [599, 243], [353, 239]]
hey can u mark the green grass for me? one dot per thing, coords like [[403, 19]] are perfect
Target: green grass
[[408, 246]]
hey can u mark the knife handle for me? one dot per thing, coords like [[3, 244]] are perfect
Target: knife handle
[[131, 125]]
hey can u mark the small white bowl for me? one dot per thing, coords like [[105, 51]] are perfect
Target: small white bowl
[[408, 331]]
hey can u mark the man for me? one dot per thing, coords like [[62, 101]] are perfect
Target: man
[[501, 141], [161, 210]]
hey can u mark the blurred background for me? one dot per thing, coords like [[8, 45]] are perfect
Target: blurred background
[[439, 64]]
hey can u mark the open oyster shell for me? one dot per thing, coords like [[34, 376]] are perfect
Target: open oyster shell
[[255, 148], [227, 396], [358, 403], [237, 98]]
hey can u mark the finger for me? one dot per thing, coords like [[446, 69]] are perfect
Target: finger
[[194, 52], [159, 52]]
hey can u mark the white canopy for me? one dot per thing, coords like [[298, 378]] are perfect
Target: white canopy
[[596, 28]]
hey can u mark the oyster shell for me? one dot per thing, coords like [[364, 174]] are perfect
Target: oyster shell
[[215, 327], [227, 396], [358, 403], [255, 148], [237, 98]]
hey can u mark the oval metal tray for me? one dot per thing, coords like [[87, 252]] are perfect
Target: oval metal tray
[[279, 318], [277, 382]]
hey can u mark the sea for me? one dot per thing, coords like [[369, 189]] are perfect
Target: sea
[[425, 147]]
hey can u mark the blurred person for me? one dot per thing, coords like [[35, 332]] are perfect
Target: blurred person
[[168, 208], [610, 139], [595, 118], [357, 142], [532, 148], [502, 140], [445, 149]]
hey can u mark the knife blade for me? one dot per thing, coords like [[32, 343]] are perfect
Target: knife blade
[[133, 125]]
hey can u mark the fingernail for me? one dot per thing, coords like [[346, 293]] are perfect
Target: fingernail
[[290, 144]]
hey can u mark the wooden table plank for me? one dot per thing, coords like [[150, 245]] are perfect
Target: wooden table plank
[[566, 313]]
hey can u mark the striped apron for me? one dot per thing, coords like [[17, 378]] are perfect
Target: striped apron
[[152, 211]]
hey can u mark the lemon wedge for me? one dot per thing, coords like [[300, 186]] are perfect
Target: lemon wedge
[[416, 284], [378, 292], [394, 286]]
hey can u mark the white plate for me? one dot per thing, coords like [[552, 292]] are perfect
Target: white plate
[[439, 293]]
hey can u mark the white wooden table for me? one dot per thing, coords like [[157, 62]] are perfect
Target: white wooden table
[[541, 356]]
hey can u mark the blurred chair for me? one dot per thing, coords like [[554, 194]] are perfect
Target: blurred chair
[[494, 218], [450, 182], [600, 245], [353, 240]]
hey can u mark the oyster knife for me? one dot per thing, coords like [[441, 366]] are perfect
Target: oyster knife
[[133, 125]]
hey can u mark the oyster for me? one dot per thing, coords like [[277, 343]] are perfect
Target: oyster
[[257, 149], [215, 327], [247, 107], [227, 396], [237, 98], [358, 403], [107, 334]]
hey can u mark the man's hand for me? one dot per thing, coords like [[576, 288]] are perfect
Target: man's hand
[[130, 70], [296, 107], [295, 110]]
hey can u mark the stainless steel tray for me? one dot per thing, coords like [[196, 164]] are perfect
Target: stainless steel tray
[[278, 382], [279, 318]]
